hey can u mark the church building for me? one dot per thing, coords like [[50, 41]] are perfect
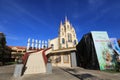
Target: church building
[[64, 46], [66, 37]]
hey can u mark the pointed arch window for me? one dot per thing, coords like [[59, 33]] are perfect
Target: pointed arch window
[[67, 26], [69, 37], [63, 41], [75, 42]]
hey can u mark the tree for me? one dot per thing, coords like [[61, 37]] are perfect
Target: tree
[[5, 53]]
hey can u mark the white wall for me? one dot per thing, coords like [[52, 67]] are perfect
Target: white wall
[[55, 43]]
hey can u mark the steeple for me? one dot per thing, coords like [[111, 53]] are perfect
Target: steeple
[[60, 23], [60, 28], [66, 19]]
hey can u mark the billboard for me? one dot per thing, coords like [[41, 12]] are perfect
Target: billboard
[[103, 50], [115, 45]]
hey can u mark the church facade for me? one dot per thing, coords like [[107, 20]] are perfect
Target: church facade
[[64, 46], [66, 38]]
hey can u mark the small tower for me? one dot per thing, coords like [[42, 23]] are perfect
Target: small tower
[[49, 43], [28, 44], [60, 28], [43, 44], [36, 44], [39, 44], [32, 44]]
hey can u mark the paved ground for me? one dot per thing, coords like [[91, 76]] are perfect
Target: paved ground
[[6, 73], [57, 74], [84, 74]]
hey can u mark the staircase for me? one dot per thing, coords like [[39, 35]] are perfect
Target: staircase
[[35, 63]]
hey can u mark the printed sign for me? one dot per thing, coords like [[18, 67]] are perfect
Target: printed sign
[[115, 45], [103, 49]]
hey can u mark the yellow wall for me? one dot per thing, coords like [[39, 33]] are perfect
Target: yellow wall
[[61, 60]]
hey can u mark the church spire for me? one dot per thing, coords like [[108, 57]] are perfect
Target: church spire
[[61, 23], [60, 28], [66, 19]]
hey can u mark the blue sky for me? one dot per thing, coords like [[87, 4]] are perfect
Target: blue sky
[[40, 19]]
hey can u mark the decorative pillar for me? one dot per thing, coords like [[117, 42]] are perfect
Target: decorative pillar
[[39, 44], [32, 43], [36, 44], [48, 43], [28, 44], [43, 44]]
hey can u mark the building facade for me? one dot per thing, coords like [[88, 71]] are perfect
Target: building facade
[[17, 52], [66, 38], [64, 51]]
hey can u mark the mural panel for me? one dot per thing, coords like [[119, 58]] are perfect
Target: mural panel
[[104, 51]]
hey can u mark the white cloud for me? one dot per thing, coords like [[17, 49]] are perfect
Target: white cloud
[[103, 12], [7, 34], [23, 10]]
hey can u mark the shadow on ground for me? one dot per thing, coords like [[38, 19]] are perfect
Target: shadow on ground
[[82, 76]]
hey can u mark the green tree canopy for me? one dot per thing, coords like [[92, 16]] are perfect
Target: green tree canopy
[[2, 41]]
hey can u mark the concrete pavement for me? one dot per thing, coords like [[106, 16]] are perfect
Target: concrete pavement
[[57, 74], [85, 74], [6, 73]]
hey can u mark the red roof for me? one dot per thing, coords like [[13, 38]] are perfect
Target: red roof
[[18, 47]]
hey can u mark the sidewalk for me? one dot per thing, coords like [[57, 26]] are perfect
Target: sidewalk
[[6, 73], [57, 74], [85, 74]]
